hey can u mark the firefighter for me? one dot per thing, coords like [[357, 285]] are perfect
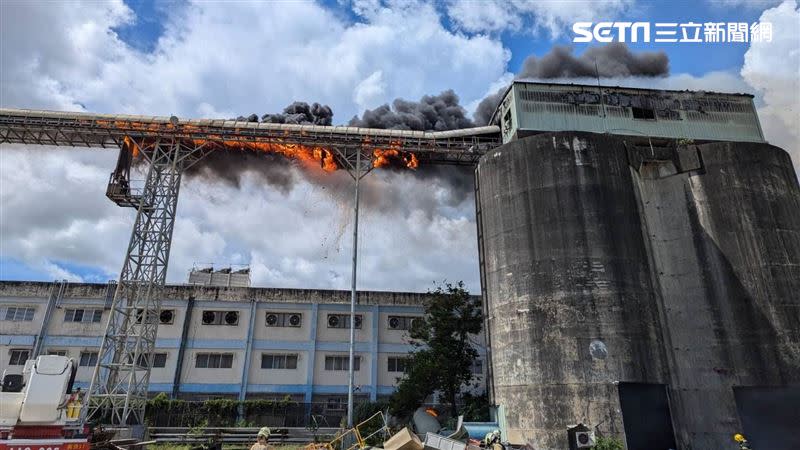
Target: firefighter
[[743, 444], [262, 439], [492, 441]]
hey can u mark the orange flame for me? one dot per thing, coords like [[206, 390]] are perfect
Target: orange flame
[[391, 157], [317, 155]]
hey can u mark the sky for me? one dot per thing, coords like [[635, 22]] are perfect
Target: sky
[[216, 59]]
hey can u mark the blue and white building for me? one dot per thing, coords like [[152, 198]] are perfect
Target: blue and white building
[[238, 342]]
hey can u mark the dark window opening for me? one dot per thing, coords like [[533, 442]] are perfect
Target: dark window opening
[[644, 113]]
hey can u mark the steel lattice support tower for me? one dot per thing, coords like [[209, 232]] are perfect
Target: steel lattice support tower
[[118, 391]]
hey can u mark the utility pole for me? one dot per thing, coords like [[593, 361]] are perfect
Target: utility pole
[[353, 293]]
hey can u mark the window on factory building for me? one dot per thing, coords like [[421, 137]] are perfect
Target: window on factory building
[[281, 319], [17, 313], [57, 352], [278, 361], [83, 315], [88, 359], [17, 357], [336, 404], [397, 364], [159, 360], [342, 363], [477, 367], [402, 322], [214, 361], [343, 321]]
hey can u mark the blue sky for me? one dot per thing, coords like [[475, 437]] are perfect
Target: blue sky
[[695, 59], [224, 59]]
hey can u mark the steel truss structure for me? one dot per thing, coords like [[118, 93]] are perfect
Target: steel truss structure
[[461, 147], [119, 386]]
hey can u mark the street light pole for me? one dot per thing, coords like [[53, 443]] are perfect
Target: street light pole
[[353, 297]]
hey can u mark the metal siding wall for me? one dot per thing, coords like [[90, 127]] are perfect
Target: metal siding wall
[[552, 116]]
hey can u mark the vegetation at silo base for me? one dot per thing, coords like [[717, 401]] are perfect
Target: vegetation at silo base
[[443, 350], [608, 443]]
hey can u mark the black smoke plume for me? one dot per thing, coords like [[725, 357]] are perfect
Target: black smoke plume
[[487, 106], [431, 113], [613, 60], [434, 113], [298, 113]]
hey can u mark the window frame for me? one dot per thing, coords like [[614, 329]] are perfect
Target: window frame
[[213, 360], [288, 361], [91, 356], [14, 356], [341, 363], [91, 313], [27, 313], [396, 362]]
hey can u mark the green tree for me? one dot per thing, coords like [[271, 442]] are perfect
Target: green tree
[[443, 349]]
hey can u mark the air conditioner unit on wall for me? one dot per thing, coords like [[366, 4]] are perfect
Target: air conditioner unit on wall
[[394, 323], [272, 319], [295, 320], [584, 439]]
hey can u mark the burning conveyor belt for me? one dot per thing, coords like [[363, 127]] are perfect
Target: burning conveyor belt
[[462, 147]]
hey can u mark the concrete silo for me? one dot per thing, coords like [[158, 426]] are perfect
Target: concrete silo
[[645, 287]]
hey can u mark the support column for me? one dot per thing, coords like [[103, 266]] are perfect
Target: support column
[[248, 355], [373, 350], [187, 323], [312, 358]]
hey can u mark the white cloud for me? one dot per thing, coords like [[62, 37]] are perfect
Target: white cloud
[[221, 60], [552, 16], [370, 92], [773, 70]]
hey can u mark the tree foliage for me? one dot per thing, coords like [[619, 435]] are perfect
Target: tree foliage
[[443, 349]]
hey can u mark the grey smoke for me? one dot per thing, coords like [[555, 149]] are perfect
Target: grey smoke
[[610, 60], [487, 106], [302, 113], [298, 113], [613, 60], [431, 113]]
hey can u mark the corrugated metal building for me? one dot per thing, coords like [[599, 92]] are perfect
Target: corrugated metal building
[[532, 107]]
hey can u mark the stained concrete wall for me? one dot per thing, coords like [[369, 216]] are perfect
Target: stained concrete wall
[[724, 240], [684, 262], [565, 264]]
